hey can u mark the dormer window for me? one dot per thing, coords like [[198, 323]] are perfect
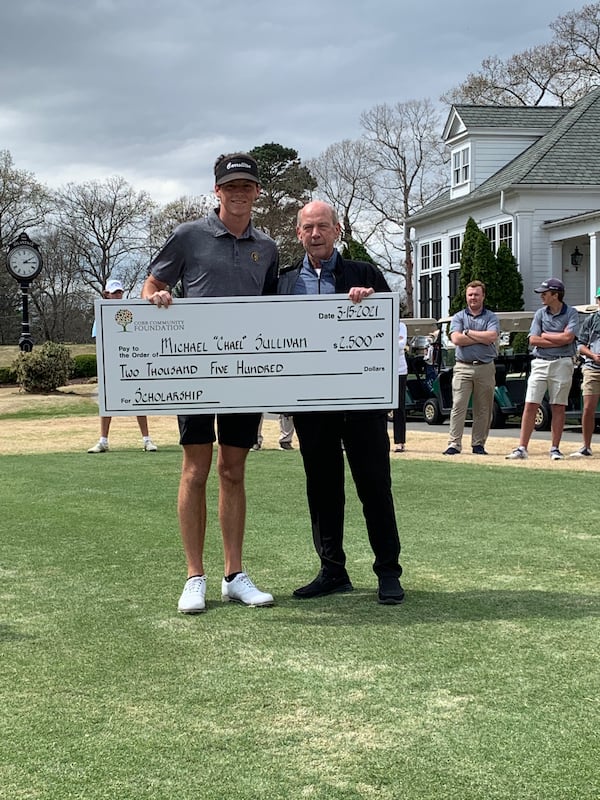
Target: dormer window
[[461, 166]]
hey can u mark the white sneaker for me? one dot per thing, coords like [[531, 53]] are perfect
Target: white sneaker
[[193, 597], [555, 454], [583, 452], [150, 447], [518, 452], [242, 590], [100, 447]]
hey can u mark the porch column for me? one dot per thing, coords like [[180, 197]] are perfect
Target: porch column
[[556, 259], [594, 265]]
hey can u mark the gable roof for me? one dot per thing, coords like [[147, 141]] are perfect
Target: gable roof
[[568, 154], [523, 118]]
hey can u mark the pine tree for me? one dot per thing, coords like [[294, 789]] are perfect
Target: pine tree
[[286, 186], [357, 252], [484, 269], [467, 260], [509, 284]]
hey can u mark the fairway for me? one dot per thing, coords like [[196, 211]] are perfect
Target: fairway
[[483, 684]]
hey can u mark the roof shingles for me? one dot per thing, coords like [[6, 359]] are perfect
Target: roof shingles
[[568, 154]]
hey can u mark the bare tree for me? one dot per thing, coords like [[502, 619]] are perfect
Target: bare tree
[[107, 224], [579, 33], [529, 78], [408, 170], [184, 209], [24, 204], [343, 173], [61, 302], [560, 72]]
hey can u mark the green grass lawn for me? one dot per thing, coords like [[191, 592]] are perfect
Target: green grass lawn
[[484, 684]]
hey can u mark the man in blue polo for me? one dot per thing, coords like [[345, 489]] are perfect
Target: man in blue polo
[[552, 336], [474, 330]]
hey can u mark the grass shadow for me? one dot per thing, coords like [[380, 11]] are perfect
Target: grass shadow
[[426, 607]]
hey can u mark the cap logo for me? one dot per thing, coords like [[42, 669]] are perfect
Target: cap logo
[[237, 165]]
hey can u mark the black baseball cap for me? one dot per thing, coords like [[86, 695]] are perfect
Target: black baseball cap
[[236, 167], [551, 285]]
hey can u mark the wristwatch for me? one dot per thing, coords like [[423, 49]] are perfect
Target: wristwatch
[[466, 331]]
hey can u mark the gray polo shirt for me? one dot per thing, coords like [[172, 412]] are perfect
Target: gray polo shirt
[[589, 336], [544, 321], [211, 262], [486, 321]]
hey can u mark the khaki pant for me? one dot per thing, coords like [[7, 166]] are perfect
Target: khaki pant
[[478, 380]]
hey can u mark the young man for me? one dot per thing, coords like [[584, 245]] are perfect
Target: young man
[[474, 330], [552, 335], [325, 435], [220, 255], [114, 291], [589, 347]]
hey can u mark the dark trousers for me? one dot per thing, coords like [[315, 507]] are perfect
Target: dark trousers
[[365, 439], [399, 414]]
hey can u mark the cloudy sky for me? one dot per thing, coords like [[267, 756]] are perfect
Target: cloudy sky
[[154, 90]]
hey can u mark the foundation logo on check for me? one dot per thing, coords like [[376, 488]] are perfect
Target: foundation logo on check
[[124, 317]]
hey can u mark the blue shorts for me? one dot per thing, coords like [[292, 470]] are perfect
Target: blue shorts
[[234, 430]]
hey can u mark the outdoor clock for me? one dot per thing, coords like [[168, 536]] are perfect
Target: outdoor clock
[[24, 261]]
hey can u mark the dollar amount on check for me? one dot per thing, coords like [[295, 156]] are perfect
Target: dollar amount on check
[[233, 355]]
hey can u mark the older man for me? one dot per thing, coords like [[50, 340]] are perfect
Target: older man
[[325, 435]]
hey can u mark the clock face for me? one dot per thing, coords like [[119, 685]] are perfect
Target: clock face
[[24, 262]]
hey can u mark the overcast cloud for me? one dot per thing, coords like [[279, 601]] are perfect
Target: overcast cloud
[[154, 90]]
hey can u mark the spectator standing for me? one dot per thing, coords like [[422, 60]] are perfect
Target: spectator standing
[[430, 360], [474, 330], [114, 291], [286, 431], [589, 347], [552, 335], [399, 413]]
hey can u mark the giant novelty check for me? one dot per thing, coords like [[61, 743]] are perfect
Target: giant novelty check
[[240, 354]]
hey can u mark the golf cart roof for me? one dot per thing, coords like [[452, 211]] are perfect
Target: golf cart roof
[[510, 321], [420, 326], [586, 309], [513, 321]]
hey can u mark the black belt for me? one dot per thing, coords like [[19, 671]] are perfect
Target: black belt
[[551, 358], [472, 363]]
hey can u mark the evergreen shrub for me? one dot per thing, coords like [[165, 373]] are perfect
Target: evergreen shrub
[[84, 366], [7, 375], [520, 342], [44, 369]]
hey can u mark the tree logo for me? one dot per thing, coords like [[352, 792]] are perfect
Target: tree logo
[[124, 317]]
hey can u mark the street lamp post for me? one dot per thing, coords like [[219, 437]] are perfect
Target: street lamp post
[[24, 262], [25, 340]]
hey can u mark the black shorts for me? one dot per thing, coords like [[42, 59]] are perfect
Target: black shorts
[[234, 430]]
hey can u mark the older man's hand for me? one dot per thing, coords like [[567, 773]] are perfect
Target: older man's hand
[[358, 293]]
